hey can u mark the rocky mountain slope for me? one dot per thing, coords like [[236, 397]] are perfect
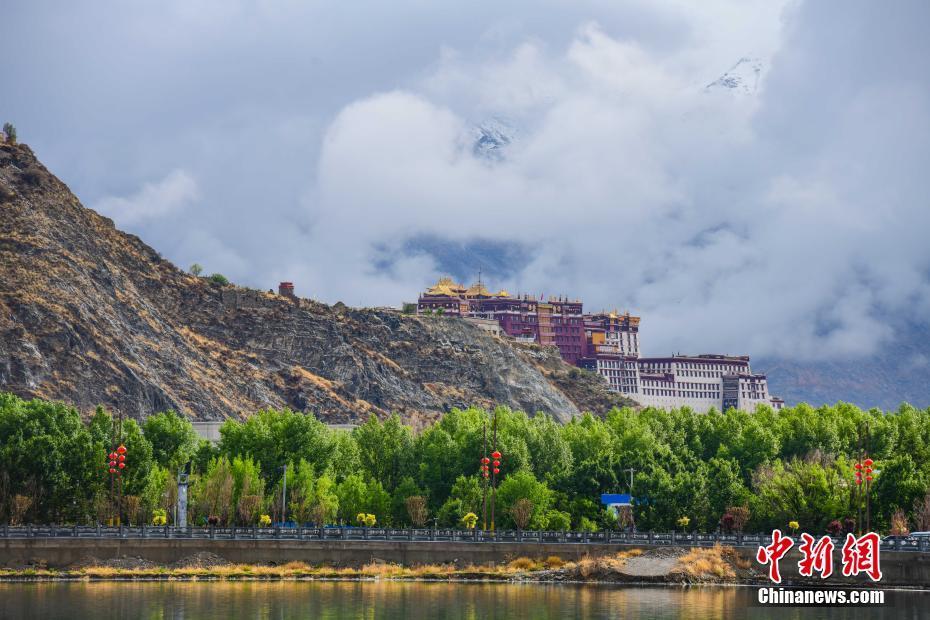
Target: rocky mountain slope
[[91, 315]]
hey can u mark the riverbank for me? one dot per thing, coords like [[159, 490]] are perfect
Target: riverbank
[[673, 566]]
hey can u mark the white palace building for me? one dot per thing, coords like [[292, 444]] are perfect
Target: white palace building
[[700, 382]]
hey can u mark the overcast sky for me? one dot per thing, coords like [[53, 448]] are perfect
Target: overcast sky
[[332, 144]]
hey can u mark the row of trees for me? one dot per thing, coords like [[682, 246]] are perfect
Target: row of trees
[[733, 470]]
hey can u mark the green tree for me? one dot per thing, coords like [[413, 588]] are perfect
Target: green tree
[[811, 491], [345, 459], [354, 498], [324, 503], [159, 493], [48, 455], [407, 488], [384, 449], [900, 485], [218, 278], [196, 269], [204, 453], [518, 486], [212, 493], [173, 438], [248, 489], [558, 520], [300, 489], [272, 438]]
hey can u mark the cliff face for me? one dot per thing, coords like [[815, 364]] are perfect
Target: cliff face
[[91, 315]]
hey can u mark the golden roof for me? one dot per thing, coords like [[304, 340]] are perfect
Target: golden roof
[[478, 289], [445, 286], [503, 293]]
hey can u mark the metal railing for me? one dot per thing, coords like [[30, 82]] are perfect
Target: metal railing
[[691, 539]]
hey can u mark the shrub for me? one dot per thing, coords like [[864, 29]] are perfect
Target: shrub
[[554, 561], [218, 278], [558, 520], [264, 520], [899, 526], [470, 520], [196, 269], [522, 512], [522, 564], [159, 517], [416, 509], [587, 525], [734, 519], [10, 132], [835, 527]]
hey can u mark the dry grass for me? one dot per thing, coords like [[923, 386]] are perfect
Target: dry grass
[[702, 563], [586, 566], [523, 564], [589, 566]]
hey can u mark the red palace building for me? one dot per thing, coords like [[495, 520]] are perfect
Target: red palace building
[[606, 343], [556, 321]]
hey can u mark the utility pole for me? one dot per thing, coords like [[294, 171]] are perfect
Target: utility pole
[[631, 470], [112, 454], [868, 480], [119, 473], [284, 498], [859, 460], [493, 471], [484, 454]]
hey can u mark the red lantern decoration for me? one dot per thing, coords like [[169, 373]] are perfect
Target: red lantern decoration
[[858, 480], [121, 449], [112, 463], [869, 462], [496, 471], [122, 465], [485, 461], [112, 471], [869, 478], [122, 457], [858, 465], [496, 455]]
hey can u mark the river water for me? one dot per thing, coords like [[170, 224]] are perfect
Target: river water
[[413, 600]]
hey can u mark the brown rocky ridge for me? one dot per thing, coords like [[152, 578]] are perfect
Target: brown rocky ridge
[[91, 315]]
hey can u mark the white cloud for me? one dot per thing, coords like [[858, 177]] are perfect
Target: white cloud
[[176, 192], [788, 222], [637, 188]]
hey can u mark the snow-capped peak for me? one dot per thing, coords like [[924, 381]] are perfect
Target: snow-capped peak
[[743, 77], [491, 138]]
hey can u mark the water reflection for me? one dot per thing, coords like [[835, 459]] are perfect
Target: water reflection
[[395, 600]]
